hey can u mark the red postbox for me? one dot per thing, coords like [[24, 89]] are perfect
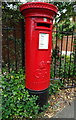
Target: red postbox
[[38, 44]]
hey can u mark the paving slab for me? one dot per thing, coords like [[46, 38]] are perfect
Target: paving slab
[[68, 112]]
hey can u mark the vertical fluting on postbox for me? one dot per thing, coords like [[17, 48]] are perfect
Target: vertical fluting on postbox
[[38, 38]]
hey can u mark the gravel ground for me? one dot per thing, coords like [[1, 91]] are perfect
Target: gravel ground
[[60, 101]]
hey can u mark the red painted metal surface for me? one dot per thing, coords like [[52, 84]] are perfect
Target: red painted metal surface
[[38, 43]]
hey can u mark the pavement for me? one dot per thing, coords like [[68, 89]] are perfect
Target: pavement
[[68, 112]]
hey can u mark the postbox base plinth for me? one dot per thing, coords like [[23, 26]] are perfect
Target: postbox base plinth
[[42, 96]]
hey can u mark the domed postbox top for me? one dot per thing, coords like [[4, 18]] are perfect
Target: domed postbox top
[[37, 5]]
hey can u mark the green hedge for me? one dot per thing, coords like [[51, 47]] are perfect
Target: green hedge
[[16, 101], [66, 69]]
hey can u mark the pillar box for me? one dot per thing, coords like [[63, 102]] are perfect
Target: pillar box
[[38, 44]]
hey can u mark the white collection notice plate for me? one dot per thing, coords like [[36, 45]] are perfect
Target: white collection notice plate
[[43, 40]]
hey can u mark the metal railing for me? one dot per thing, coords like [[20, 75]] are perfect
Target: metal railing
[[63, 65], [64, 58], [13, 46]]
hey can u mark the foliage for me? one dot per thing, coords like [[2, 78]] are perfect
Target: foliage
[[10, 11], [13, 53], [65, 28], [16, 102], [65, 11], [63, 66], [75, 47], [45, 107], [55, 86], [56, 52], [62, 71], [65, 19]]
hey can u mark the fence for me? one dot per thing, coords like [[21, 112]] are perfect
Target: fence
[[63, 63], [13, 46], [64, 58]]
